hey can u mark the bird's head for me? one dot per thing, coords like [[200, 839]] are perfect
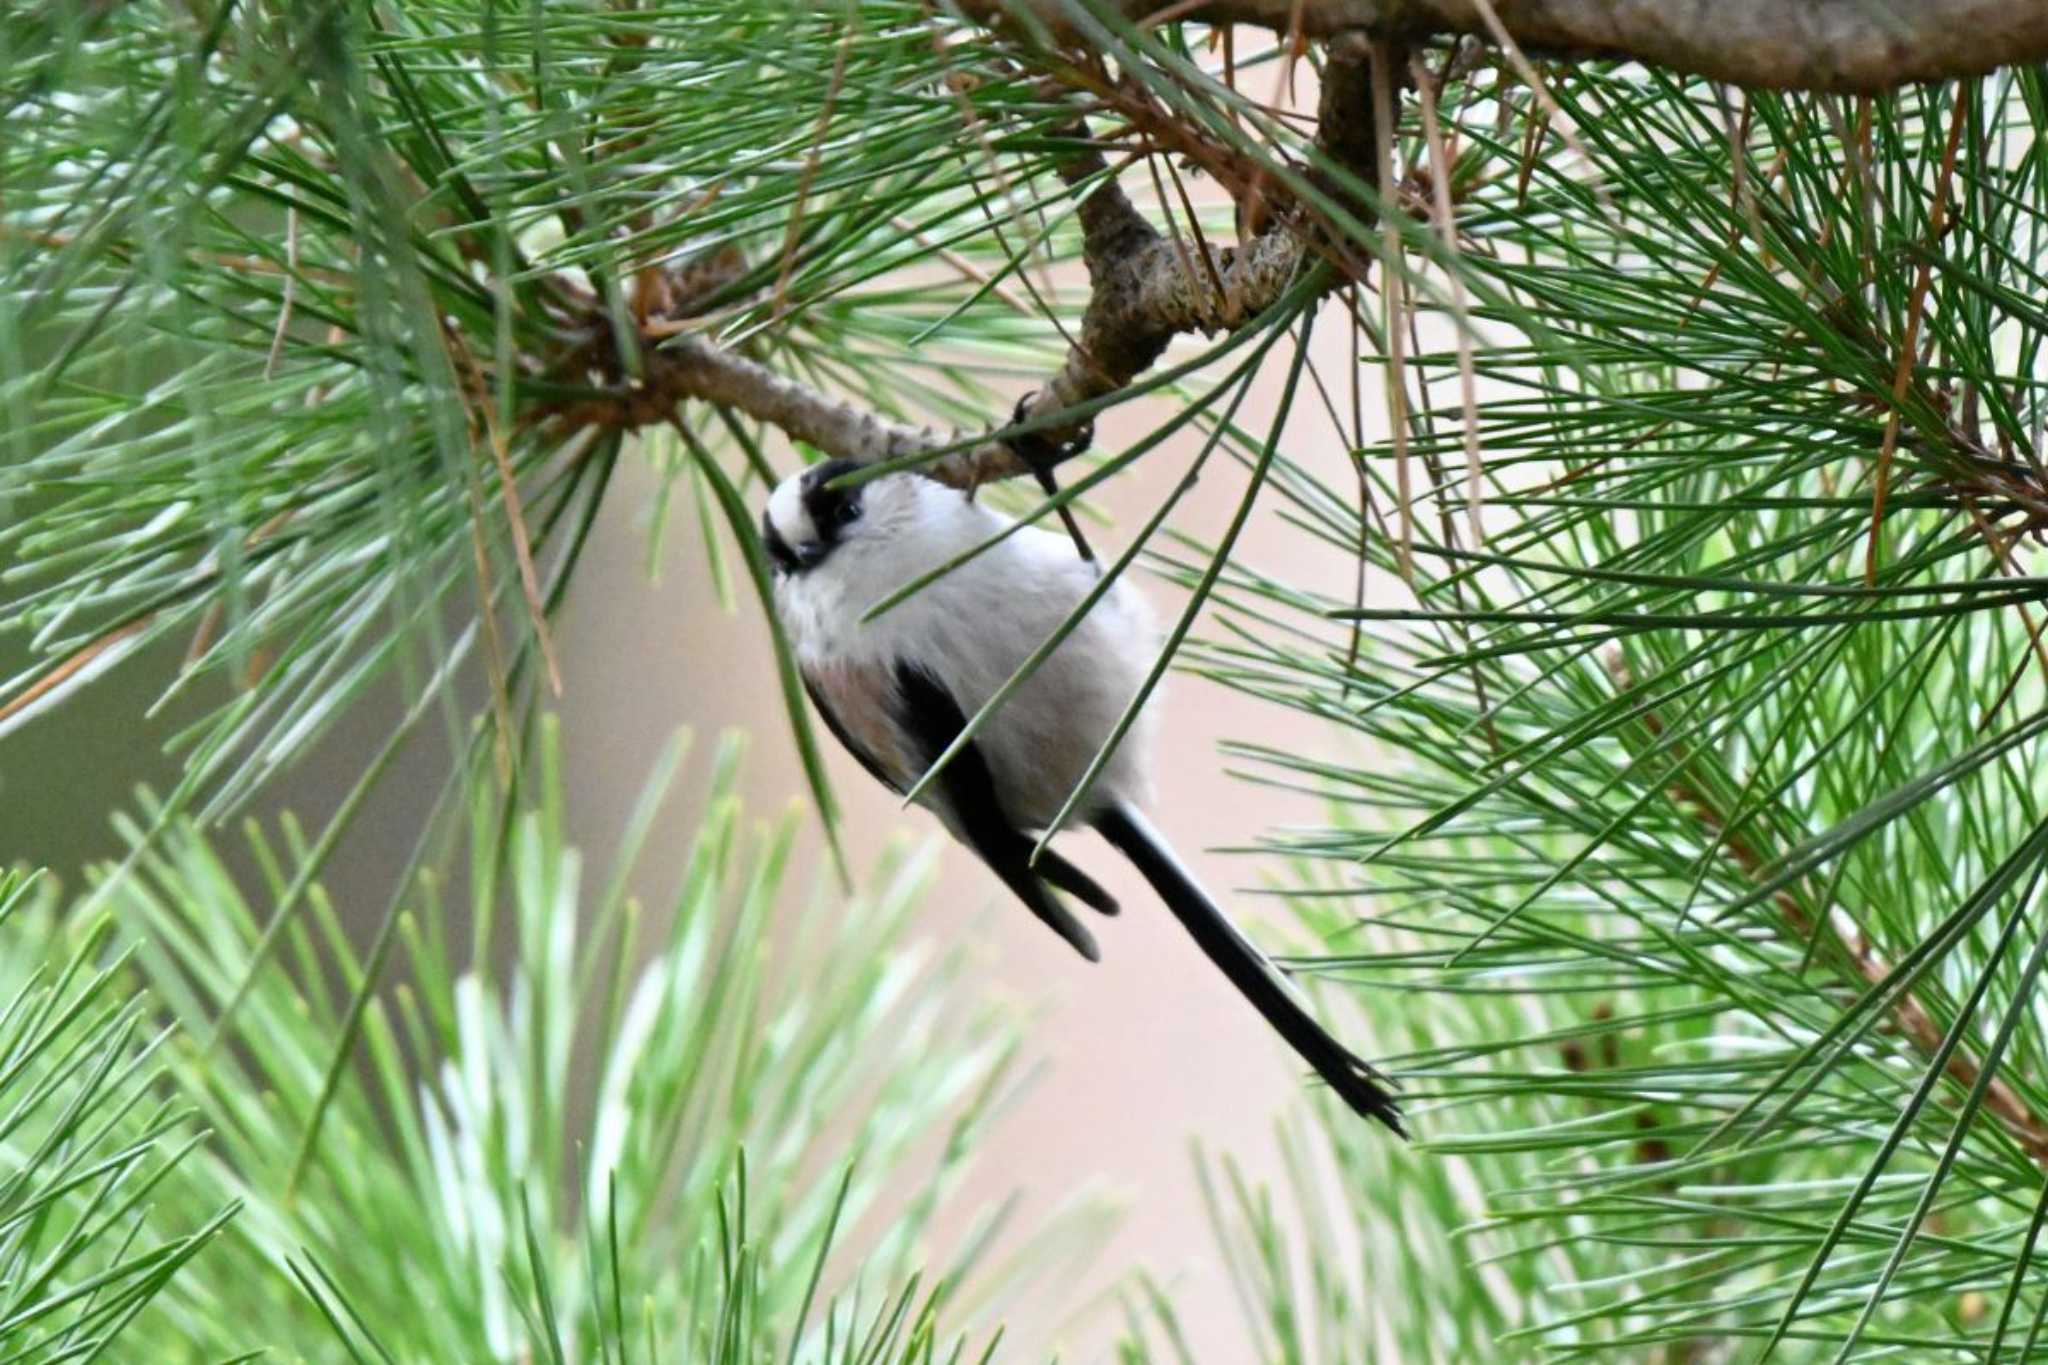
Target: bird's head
[[806, 518]]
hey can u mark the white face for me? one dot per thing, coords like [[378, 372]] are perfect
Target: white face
[[806, 518]]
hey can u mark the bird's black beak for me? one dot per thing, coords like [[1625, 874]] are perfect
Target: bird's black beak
[[784, 557]]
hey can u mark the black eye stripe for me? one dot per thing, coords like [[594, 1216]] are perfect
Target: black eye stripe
[[830, 508], [818, 475], [827, 512]]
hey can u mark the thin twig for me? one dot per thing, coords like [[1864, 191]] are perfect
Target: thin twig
[[1357, 330], [965, 268], [2002, 551], [494, 648], [481, 417], [291, 286], [1527, 71], [1251, 222], [1713, 274], [1446, 221], [810, 173], [1391, 281], [1902, 372], [972, 120]]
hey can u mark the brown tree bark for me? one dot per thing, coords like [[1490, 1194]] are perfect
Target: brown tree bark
[[1843, 46]]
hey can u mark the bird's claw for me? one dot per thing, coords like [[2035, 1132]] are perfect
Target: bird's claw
[[1040, 453]]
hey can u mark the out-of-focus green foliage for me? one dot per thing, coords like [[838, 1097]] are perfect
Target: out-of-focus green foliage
[[89, 1138], [587, 1130]]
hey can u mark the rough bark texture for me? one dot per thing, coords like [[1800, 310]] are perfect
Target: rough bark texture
[[1140, 298], [1848, 46], [1144, 289]]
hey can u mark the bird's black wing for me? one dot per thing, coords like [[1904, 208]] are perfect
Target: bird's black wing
[[830, 715], [927, 714], [861, 691]]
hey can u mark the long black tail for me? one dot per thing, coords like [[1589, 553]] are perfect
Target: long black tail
[[1256, 978]]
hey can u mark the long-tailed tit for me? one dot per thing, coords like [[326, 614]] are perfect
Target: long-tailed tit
[[897, 692]]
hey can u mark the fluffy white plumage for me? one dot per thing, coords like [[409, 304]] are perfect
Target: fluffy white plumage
[[973, 627], [897, 690]]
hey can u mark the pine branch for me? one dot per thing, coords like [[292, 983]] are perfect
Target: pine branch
[[1145, 288], [1141, 297], [1842, 46]]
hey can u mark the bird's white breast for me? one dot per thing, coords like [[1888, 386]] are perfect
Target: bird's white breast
[[974, 626]]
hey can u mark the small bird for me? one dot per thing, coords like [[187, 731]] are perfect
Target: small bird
[[897, 691]]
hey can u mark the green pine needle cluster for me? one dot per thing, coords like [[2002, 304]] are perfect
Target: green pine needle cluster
[[579, 1128], [1687, 854], [89, 1139], [299, 302], [1702, 905]]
